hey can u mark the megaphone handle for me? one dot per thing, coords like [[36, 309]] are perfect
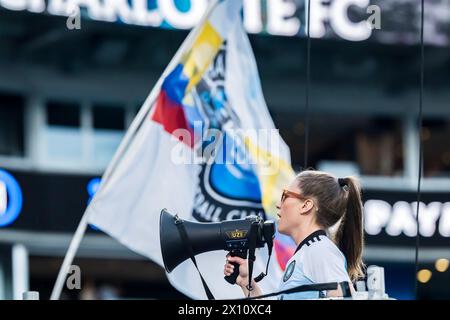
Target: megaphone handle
[[231, 279]]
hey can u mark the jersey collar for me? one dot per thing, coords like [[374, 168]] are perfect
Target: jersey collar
[[311, 237]]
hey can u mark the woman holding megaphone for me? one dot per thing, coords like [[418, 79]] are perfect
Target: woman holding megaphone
[[313, 203]]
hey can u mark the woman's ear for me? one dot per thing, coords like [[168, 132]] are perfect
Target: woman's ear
[[307, 206]]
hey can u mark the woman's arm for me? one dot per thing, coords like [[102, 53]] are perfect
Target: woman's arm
[[254, 293], [242, 279]]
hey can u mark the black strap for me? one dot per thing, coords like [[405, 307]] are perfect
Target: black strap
[[269, 241], [345, 287], [302, 288], [251, 255], [185, 240], [262, 274]]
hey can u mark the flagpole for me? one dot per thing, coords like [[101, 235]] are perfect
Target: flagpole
[[140, 117]]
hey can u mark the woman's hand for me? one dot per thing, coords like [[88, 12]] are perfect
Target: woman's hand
[[242, 279]]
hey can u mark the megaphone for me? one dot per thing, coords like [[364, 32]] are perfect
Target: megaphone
[[235, 236]]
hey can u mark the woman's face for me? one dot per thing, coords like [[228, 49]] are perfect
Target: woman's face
[[289, 211]]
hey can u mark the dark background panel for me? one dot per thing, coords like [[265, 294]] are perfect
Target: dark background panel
[[56, 202]]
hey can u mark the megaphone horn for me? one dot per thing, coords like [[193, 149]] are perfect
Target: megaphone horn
[[182, 239], [202, 237]]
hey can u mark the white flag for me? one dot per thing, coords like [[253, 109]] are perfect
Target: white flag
[[213, 88]]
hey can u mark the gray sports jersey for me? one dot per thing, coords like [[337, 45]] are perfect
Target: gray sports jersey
[[316, 260]]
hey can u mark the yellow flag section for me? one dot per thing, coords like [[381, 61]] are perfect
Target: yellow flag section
[[202, 53], [211, 37], [274, 174]]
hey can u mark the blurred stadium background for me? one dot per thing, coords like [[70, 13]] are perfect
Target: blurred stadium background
[[67, 97]]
